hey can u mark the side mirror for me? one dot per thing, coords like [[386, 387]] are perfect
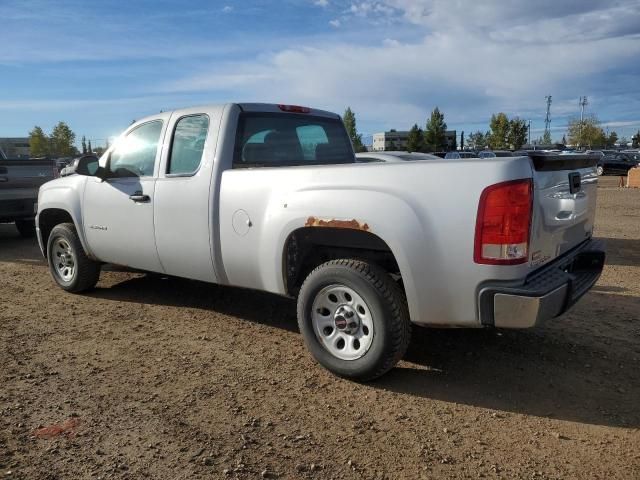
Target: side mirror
[[88, 166]]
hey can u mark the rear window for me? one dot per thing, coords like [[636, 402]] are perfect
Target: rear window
[[275, 139]]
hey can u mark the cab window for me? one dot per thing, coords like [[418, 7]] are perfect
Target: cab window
[[187, 145], [135, 153]]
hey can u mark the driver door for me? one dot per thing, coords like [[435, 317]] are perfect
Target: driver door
[[118, 211]]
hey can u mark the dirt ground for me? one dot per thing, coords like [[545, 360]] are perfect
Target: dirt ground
[[172, 379]]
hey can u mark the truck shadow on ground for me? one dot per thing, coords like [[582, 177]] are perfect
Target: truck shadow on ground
[[573, 370], [623, 251]]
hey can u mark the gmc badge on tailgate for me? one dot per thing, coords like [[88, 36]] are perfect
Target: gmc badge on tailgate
[[574, 182]]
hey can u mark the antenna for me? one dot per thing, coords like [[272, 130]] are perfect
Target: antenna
[[547, 119]]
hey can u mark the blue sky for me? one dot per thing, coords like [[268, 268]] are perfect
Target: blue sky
[[99, 65]]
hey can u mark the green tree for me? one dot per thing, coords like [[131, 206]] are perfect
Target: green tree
[[623, 141], [349, 119], [84, 145], [62, 140], [587, 133], [636, 140], [462, 140], [517, 135], [434, 135], [546, 138], [612, 138], [564, 140], [477, 140], [499, 137], [415, 139], [38, 143], [89, 149]]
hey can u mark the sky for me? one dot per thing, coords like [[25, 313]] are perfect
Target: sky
[[100, 65]]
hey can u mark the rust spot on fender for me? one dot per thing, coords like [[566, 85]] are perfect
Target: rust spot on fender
[[333, 223]]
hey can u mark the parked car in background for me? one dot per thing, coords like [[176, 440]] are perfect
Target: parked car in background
[[459, 155], [20, 180], [486, 154], [617, 163], [274, 200], [398, 156]]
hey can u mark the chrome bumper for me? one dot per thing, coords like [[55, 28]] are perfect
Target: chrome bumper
[[546, 293]]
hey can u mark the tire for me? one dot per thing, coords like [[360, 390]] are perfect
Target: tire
[[69, 265], [376, 335], [26, 228], [600, 170]]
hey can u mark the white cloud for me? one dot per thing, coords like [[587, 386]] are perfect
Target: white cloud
[[472, 59], [335, 23], [227, 9], [321, 3]]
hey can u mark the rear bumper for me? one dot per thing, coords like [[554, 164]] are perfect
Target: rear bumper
[[545, 293]]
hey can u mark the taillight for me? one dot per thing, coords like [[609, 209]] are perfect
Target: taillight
[[294, 108], [503, 223]]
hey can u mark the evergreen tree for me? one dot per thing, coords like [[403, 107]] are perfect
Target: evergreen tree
[[84, 145], [517, 135], [415, 139], [636, 140], [349, 119], [62, 140], [89, 149], [462, 140], [564, 140], [434, 135], [546, 138], [38, 143], [612, 139]]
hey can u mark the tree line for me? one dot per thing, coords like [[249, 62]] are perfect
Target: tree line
[[59, 143], [503, 133]]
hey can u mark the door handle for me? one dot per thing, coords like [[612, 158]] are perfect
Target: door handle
[[140, 198]]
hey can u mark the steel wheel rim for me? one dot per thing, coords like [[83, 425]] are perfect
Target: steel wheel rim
[[63, 259], [599, 171], [342, 322]]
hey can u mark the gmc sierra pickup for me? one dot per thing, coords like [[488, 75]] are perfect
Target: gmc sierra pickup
[[270, 197], [19, 183]]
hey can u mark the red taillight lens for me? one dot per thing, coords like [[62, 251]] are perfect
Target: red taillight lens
[[294, 108], [503, 224]]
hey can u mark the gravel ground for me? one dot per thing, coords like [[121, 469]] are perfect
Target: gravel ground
[[158, 378]]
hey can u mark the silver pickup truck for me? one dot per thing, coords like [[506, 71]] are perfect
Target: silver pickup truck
[[270, 197]]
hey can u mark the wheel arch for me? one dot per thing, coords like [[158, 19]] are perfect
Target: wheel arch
[[48, 218]]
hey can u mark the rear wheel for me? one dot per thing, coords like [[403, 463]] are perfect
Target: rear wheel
[[68, 263], [354, 319], [26, 228]]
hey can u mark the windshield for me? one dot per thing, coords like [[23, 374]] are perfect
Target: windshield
[[281, 139]]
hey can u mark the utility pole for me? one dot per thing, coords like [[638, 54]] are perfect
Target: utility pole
[[547, 119], [529, 131], [583, 103]]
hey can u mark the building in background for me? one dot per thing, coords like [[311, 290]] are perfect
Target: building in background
[[15, 147], [397, 140]]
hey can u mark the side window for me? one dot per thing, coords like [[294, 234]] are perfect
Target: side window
[[135, 154], [187, 145]]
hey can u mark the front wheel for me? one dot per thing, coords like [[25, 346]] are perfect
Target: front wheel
[[600, 170], [68, 263], [354, 319]]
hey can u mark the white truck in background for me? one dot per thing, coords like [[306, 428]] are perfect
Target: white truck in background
[[270, 197]]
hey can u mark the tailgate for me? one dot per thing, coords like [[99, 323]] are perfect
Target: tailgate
[[565, 189], [22, 178]]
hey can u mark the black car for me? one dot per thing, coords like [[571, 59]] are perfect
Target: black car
[[618, 163]]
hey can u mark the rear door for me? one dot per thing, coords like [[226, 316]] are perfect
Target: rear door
[[118, 212], [183, 210], [565, 190]]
